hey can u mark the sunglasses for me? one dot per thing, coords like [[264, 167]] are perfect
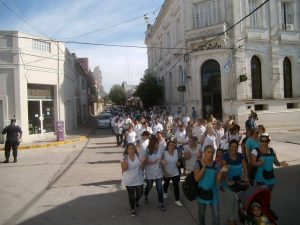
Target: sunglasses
[[264, 141]]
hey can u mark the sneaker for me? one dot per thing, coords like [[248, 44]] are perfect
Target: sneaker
[[133, 212], [178, 203], [146, 200], [162, 207], [165, 195], [6, 161]]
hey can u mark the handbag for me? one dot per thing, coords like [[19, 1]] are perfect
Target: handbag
[[268, 174], [205, 194]]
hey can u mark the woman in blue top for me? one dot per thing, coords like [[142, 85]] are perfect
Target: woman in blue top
[[237, 171], [208, 178], [263, 158]]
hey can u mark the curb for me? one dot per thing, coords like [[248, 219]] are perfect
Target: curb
[[53, 144]]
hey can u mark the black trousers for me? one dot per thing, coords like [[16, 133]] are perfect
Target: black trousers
[[175, 181], [119, 138], [11, 145], [134, 195]]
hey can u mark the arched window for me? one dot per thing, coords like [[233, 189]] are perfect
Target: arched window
[[256, 78], [181, 82], [287, 78], [211, 89], [170, 88]]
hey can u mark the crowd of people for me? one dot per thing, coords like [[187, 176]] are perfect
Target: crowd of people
[[160, 148]]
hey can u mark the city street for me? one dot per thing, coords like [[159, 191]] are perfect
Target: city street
[[79, 183]]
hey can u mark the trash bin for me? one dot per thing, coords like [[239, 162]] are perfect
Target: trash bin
[[60, 130]]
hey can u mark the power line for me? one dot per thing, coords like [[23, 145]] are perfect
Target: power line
[[112, 26], [20, 17], [96, 44]]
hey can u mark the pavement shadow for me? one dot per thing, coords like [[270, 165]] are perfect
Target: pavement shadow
[[107, 182], [106, 143], [109, 209], [105, 162], [109, 153], [100, 147]]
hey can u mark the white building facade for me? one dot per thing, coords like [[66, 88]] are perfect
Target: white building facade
[[255, 65], [39, 85]]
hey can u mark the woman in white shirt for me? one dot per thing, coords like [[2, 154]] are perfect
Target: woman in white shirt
[[210, 138], [170, 163], [132, 170], [153, 171], [130, 136], [192, 152]]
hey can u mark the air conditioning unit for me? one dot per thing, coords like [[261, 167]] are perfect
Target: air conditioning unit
[[289, 26]]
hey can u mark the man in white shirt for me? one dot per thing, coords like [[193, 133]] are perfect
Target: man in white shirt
[[186, 119], [199, 129], [127, 122], [157, 126], [180, 136]]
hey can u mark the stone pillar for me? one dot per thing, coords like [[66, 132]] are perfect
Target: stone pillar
[[275, 81]]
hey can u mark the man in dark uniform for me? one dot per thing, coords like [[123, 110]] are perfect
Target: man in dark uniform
[[13, 135]]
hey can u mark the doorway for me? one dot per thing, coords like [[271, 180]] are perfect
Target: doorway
[[40, 116], [211, 89]]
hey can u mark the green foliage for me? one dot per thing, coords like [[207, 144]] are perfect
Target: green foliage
[[117, 95], [150, 90]]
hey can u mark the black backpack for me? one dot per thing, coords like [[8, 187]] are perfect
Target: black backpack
[[190, 187]]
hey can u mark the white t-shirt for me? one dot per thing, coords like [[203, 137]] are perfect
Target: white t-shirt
[[171, 163], [153, 171], [162, 145], [157, 127], [190, 163], [131, 137], [127, 123], [133, 176], [144, 145], [210, 140], [186, 120], [220, 134], [199, 131], [181, 137]]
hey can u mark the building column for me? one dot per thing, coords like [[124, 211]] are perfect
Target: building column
[[275, 81]]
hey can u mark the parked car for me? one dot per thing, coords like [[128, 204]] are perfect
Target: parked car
[[103, 121]]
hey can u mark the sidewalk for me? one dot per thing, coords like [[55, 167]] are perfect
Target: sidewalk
[[46, 141]]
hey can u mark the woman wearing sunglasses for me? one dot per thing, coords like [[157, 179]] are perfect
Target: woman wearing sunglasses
[[263, 159]]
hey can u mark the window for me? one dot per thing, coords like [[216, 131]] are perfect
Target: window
[[256, 78], [206, 13], [41, 46], [181, 83], [256, 17], [287, 78], [287, 15]]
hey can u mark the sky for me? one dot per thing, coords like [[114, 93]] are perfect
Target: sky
[[94, 21]]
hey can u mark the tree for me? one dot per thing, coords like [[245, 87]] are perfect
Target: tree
[[117, 95], [150, 90]]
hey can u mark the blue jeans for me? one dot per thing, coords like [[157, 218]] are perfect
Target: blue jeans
[[215, 212], [159, 189]]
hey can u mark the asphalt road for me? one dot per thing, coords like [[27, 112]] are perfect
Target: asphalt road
[[80, 184]]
